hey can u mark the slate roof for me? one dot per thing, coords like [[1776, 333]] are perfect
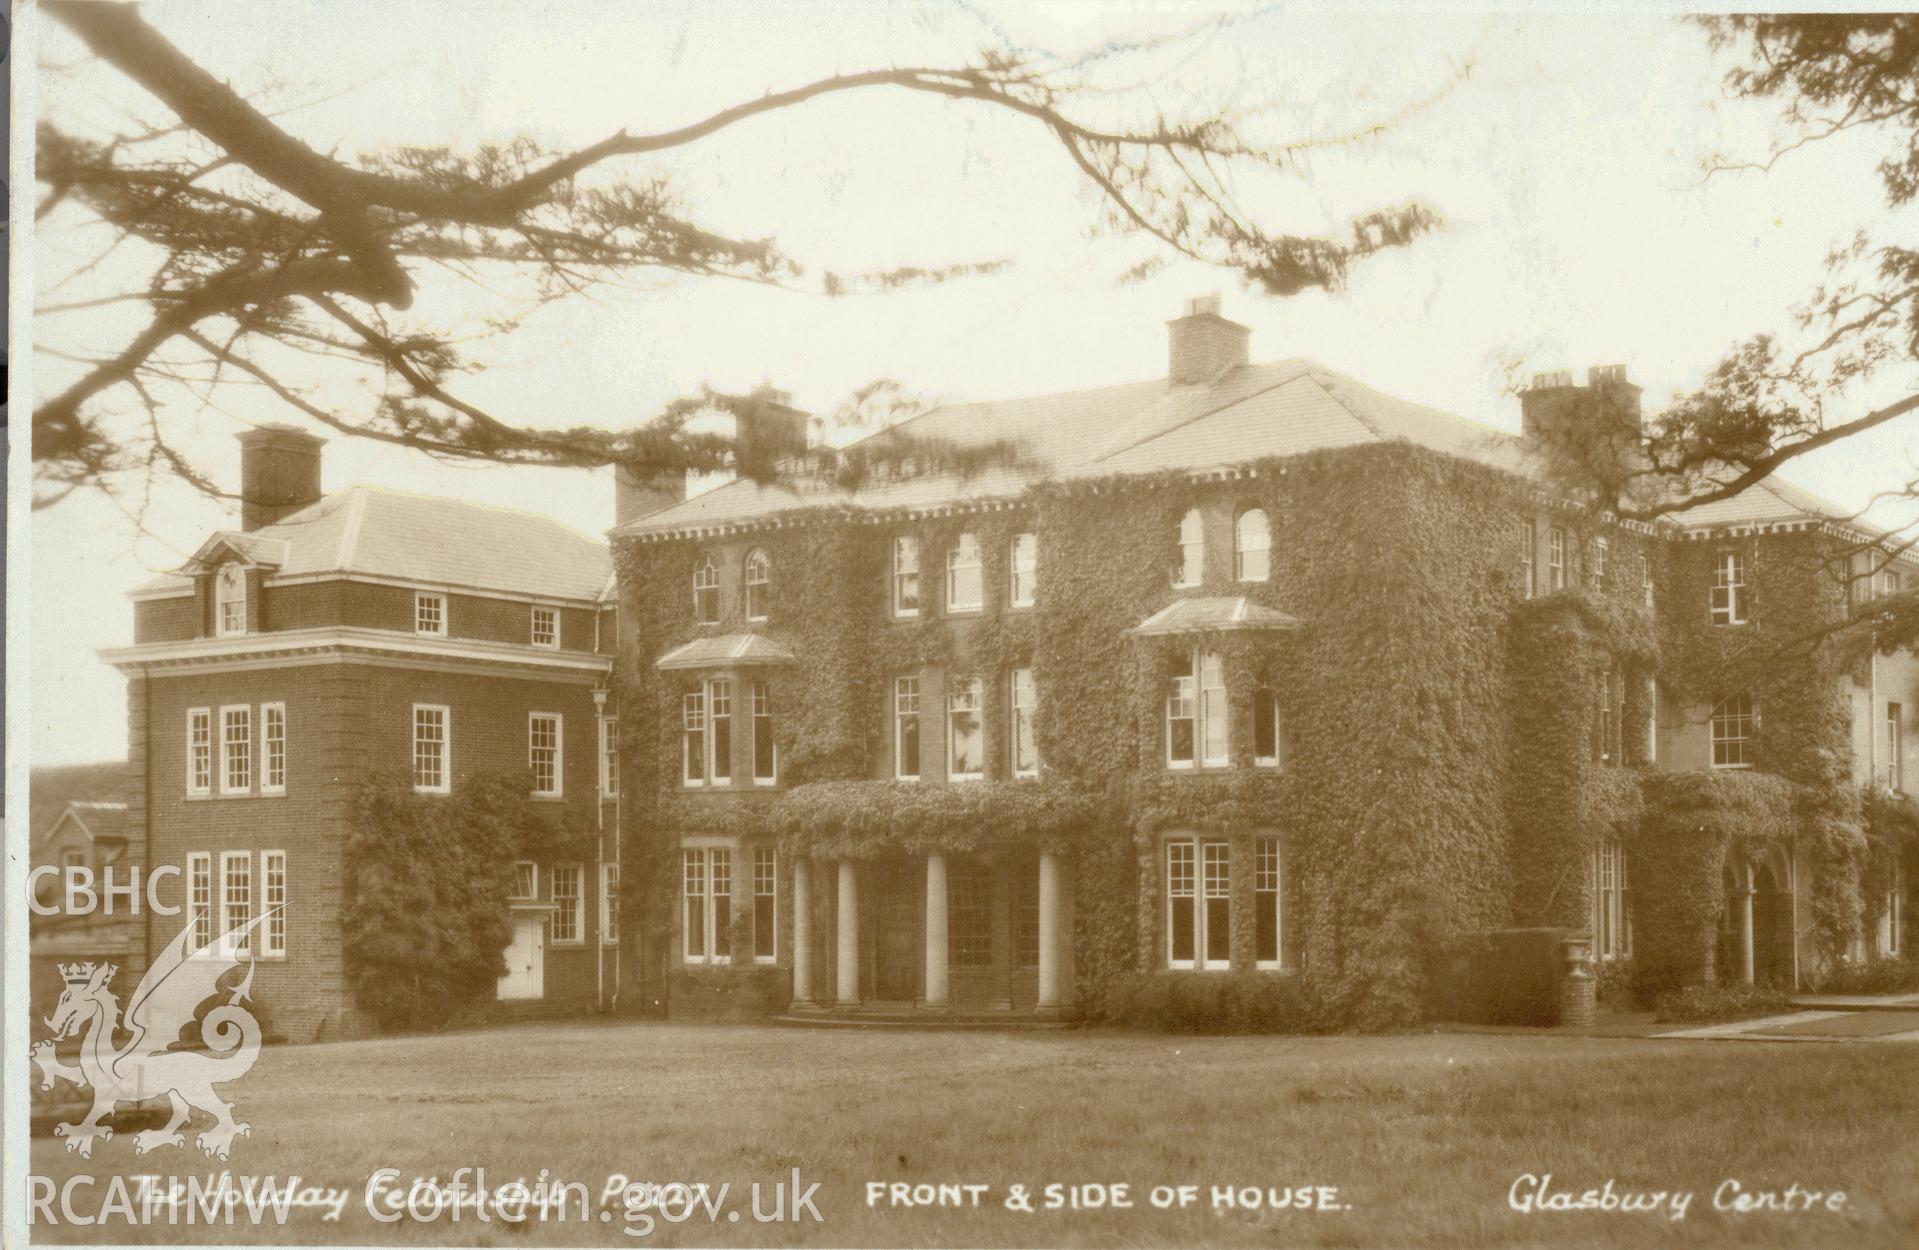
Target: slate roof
[[103, 820], [1249, 413], [435, 541], [1213, 614], [728, 650]]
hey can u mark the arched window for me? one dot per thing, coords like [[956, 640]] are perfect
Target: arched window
[[706, 592], [1252, 546], [1192, 549], [964, 591], [759, 584], [230, 600]]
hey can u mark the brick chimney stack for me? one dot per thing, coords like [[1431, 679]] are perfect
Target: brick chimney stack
[[279, 473], [1607, 400], [1201, 345]]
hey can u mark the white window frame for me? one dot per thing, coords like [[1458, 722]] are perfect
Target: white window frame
[[1528, 556], [1612, 902], [907, 546], [757, 561], [572, 908], [429, 614], [532, 890], [1277, 758], [1896, 909], [964, 557], [609, 757], [719, 706], [1555, 558], [228, 894], [1601, 560], [901, 714], [771, 880], [230, 591], [760, 721], [610, 904], [1895, 745], [1245, 544], [272, 716], [549, 637], [972, 691], [708, 855], [1210, 708], [445, 785], [1026, 570], [706, 578], [1276, 871], [1748, 720], [1645, 579], [1191, 541], [1727, 605], [1205, 853], [533, 721], [1182, 704], [200, 898], [227, 755], [693, 737], [1652, 721], [273, 931], [1016, 710], [200, 754]]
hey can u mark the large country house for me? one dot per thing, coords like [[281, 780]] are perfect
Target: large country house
[[1246, 672], [1246, 684]]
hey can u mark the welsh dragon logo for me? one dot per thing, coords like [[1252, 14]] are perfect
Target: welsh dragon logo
[[165, 1001]]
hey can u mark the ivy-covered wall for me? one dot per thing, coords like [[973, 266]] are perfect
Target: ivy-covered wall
[[1445, 768]]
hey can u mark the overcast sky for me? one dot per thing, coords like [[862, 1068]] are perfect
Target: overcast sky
[[1568, 165]]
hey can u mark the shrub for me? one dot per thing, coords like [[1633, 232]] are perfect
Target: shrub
[[1875, 976], [1218, 1002], [1712, 1004]]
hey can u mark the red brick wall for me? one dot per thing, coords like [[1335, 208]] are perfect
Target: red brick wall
[[344, 722], [311, 605]]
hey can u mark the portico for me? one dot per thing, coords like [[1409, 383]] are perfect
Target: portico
[[936, 934]]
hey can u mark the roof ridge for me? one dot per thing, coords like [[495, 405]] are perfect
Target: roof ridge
[[350, 529], [1314, 371], [363, 489], [1305, 367]]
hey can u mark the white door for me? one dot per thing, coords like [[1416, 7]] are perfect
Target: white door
[[525, 959]]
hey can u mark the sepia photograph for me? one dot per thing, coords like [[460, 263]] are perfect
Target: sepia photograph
[[960, 623]]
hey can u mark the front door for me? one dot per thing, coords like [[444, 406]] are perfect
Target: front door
[[898, 953], [525, 959]]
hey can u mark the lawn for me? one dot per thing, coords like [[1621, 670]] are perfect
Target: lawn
[[1421, 1137]]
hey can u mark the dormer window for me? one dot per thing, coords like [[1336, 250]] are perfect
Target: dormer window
[[230, 600], [1192, 550], [759, 584], [1252, 547], [429, 615], [706, 592]]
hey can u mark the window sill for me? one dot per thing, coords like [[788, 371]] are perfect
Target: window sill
[[568, 943], [963, 778], [1731, 768], [978, 609], [432, 790], [609, 941], [765, 961], [913, 615], [547, 798]]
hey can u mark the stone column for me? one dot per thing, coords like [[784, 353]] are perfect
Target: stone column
[[802, 933], [849, 917], [1049, 913], [1068, 905], [938, 994], [1745, 930]]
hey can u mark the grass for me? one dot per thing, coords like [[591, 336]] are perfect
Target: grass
[[1423, 1136]]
